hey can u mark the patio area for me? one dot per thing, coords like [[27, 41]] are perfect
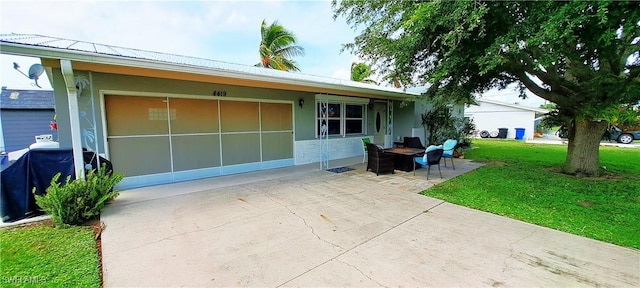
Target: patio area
[[405, 181]]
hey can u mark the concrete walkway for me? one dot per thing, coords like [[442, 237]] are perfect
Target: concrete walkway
[[300, 226]]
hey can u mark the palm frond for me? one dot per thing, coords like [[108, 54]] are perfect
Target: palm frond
[[277, 46]]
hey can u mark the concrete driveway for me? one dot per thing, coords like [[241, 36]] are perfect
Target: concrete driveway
[[303, 227]]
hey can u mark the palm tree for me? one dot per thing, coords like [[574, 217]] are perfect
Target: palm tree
[[277, 47], [360, 72], [396, 78]]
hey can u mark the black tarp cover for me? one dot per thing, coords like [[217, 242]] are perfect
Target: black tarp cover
[[35, 169]]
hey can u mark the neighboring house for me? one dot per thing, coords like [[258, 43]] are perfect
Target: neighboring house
[[490, 115], [162, 118], [23, 115]]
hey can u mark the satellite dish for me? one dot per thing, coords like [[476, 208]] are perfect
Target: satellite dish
[[35, 71]]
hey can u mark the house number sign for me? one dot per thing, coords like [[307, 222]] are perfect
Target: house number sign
[[220, 93]]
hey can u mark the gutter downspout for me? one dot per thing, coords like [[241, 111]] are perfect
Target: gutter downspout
[[74, 118]]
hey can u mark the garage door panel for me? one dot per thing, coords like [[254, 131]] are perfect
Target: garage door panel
[[240, 148], [194, 116], [276, 116], [277, 145], [238, 116], [170, 136], [195, 152], [134, 156], [128, 115]]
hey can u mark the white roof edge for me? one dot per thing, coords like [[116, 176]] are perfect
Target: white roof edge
[[19, 49], [538, 110]]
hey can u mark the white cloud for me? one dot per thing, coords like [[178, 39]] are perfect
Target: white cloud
[[221, 30], [341, 74]]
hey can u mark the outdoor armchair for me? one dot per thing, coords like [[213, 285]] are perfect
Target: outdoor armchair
[[431, 157], [449, 146], [413, 142], [379, 161]]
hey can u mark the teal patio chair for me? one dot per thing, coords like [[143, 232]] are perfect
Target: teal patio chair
[[449, 146], [431, 157]]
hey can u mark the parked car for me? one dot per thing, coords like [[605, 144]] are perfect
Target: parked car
[[613, 133], [624, 137]]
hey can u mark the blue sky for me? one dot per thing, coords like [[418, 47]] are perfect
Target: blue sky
[[226, 31]]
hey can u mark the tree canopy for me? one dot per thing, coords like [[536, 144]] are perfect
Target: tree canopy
[[581, 55], [277, 46]]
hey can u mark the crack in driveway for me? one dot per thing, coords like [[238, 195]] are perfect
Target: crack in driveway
[[305, 222], [365, 275], [362, 243], [512, 251]]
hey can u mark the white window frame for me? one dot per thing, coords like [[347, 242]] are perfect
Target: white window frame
[[362, 119], [343, 102]]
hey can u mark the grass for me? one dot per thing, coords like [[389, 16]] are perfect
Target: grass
[[44, 256], [522, 181]]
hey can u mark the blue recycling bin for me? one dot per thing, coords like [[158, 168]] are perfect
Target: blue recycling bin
[[519, 133]]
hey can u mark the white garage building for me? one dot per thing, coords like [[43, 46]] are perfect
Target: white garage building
[[490, 115]]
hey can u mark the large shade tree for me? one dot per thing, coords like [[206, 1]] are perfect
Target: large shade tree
[[580, 55], [277, 47]]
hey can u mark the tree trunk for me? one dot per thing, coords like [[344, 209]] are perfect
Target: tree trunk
[[583, 151]]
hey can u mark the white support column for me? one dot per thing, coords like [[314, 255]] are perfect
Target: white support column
[[74, 117], [324, 132], [388, 137]]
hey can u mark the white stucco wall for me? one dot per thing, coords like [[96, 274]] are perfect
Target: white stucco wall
[[490, 117], [308, 151]]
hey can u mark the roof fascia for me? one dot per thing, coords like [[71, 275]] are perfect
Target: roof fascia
[[514, 106]]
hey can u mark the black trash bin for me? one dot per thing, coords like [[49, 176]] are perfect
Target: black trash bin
[[502, 133]]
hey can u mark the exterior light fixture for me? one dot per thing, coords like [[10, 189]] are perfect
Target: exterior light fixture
[[301, 102]]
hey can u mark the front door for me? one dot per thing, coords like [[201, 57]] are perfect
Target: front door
[[379, 123]]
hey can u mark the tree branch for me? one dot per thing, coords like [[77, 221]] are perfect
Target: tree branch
[[559, 99], [551, 78]]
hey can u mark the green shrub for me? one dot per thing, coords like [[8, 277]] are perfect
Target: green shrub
[[79, 200]]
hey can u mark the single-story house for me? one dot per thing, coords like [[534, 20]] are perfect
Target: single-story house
[[25, 114], [491, 115], [162, 118]]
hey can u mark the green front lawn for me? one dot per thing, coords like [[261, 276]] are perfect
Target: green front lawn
[[522, 181], [44, 256]]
